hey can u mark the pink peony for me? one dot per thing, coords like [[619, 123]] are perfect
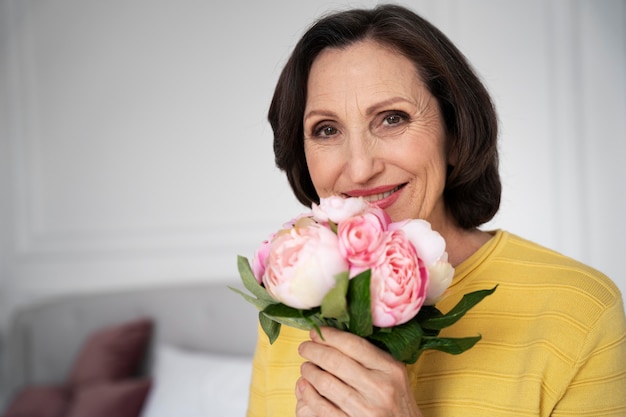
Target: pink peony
[[399, 283], [429, 244], [382, 215], [440, 276], [360, 241], [302, 264], [337, 209], [292, 223], [260, 259], [431, 249]]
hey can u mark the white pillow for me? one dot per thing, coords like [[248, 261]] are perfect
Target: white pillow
[[193, 384]]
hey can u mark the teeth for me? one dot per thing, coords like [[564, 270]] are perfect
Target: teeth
[[375, 197]]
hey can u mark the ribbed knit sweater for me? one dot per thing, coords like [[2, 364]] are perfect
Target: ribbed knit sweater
[[553, 343]]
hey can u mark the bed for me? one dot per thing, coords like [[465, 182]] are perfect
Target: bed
[[181, 349]]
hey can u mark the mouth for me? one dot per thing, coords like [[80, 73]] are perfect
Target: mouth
[[374, 198]]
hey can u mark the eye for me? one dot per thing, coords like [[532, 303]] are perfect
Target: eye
[[390, 123], [324, 131], [394, 118]]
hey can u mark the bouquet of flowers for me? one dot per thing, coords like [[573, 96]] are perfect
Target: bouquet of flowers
[[345, 264]]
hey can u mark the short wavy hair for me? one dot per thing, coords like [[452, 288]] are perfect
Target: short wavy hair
[[472, 190]]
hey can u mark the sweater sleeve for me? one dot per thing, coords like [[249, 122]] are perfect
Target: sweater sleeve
[[598, 383]]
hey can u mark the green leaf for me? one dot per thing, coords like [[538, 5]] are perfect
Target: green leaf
[[250, 282], [258, 303], [301, 323], [282, 310], [426, 313], [403, 341], [360, 305], [334, 304], [318, 330], [293, 317], [270, 327], [453, 346], [467, 302]]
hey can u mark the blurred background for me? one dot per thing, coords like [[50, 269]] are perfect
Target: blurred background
[[134, 147]]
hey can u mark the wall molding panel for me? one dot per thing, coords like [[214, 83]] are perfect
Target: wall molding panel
[[563, 29], [46, 242]]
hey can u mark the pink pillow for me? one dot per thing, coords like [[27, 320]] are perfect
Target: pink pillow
[[117, 399], [40, 401], [111, 354]]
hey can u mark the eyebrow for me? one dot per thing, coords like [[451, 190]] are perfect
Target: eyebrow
[[368, 112], [385, 103], [322, 113]]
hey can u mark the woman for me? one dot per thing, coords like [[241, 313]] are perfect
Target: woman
[[378, 103]]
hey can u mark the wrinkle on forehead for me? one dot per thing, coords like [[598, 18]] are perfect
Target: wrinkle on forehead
[[341, 79]]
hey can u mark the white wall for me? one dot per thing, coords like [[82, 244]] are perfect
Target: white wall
[[134, 148]]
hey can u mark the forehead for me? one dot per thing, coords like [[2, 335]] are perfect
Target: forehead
[[364, 68]]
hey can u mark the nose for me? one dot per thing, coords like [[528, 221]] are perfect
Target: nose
[[363, 162]]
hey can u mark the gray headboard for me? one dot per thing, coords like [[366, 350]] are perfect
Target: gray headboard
[[45, 338]]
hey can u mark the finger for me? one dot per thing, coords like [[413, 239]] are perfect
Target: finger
[[372, 392], [346, 357], [333, 390], [328, 358], [310, 403], [369, 355]]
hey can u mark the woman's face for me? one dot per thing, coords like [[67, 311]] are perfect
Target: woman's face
[[372, 129]]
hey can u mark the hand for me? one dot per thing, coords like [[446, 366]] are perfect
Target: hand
[[347, 376]]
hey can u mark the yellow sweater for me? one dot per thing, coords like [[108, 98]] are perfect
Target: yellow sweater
[[553, 343]]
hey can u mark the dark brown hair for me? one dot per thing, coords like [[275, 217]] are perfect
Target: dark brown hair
[[472, 191]]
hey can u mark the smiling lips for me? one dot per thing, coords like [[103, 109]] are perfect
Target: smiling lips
[[381, 198]]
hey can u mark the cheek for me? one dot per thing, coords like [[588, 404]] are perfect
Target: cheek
[[432, 168], [419, 157], [427, 151], [320, 169]]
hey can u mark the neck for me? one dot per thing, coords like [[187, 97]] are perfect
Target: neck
[[461, 243]]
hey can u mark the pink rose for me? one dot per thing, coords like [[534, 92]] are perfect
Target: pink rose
[[337, 209], [360, 241], [399, 284], [302, 264]]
